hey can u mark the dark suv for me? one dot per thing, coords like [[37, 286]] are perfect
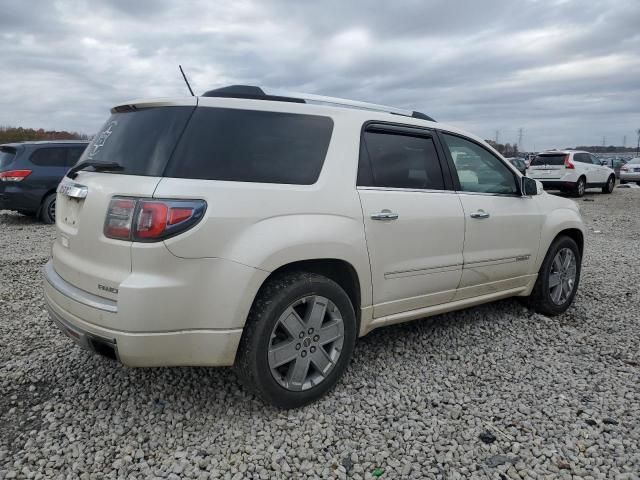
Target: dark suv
[[30, 173]]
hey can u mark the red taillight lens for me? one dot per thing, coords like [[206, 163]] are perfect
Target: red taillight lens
[[567, 163], [152, 219], [145, 220], [120, 218], [14, 175]]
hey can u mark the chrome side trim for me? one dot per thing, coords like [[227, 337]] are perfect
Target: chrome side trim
[[422, 271], [73, 190], [76, 294], [496, 261]]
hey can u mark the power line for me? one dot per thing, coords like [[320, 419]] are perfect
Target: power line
[[520, 135]]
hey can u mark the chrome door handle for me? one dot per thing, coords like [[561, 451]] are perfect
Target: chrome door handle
[[480, 214], [384, 215]]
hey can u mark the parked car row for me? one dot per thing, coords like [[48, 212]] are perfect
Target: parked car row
[[30, 173], [630, 172]]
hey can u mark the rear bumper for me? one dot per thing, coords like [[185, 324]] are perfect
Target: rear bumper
[[630, 176], [191, 347], [15, 197]]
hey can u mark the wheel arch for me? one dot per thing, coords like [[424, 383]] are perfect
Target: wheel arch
[[562, 221], [338, 270]]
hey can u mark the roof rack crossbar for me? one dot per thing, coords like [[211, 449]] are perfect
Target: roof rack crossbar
[[259, 93]]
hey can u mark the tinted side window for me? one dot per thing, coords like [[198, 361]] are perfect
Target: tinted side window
[[582, 158], [399, 161], [252, 146], [50, 157], [73, 154], [478, 169]]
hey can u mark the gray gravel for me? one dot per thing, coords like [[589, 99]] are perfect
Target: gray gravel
[[491, 392]]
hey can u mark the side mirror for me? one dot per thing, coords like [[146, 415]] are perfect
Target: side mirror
[[529, 186]]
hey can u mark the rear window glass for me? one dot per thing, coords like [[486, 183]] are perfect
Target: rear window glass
[[141, 141], [7, 155], [252, 146], [49, 157], [548, 159]]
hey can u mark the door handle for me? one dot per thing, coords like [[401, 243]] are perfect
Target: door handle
[[480, 214], [384, 215]]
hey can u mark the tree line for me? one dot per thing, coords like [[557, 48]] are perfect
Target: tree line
[[20, 134]]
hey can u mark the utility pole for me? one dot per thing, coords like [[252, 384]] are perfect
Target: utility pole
[[638, 148], [497, 136], [520, 135], [624, 142], [604, 141]]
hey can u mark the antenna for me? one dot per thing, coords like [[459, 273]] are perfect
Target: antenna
[[185, 80]]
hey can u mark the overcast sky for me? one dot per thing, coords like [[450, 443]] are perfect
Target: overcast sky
[[566, 72]]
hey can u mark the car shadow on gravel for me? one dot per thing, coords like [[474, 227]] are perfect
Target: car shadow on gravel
[[11, 218]]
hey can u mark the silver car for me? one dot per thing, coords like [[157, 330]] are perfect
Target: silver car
[[630, 172]]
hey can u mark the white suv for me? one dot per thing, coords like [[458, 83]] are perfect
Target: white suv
[[269, 232], [571, 171]]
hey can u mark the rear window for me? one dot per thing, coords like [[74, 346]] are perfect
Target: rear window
[[141, 140], [7, 155], [548, 159], [252, 146]]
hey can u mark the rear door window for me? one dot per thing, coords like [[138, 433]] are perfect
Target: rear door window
[[555, 159], [399, 161], [252, 146], [7, 156], [50, 157]]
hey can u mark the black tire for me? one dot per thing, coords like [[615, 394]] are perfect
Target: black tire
[[611, 184], [540, 298], [252, 360], [580, 187], [47, 209]]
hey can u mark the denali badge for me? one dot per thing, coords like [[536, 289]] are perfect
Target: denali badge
[[72, 190], [108, 289]]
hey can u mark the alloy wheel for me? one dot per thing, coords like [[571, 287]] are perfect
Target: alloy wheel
[[51, 210], [562, 278], [306, 343]]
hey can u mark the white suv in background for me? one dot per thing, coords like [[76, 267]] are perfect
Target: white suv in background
[[269, 232], [571, 171]]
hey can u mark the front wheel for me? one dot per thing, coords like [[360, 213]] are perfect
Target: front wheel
[[558, 278], [610, 185], [298, 340]]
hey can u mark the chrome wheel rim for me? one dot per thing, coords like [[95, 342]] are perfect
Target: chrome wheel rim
[[562, 278], [52, 210], [611, 182], [306, 343], [581, 187]]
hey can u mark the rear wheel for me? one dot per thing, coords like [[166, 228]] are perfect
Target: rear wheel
[[581, 186], [298, 340], [48, 209], [558, 278], [610, 185]]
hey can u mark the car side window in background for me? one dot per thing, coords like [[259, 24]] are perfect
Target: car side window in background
[[478, 169], [50, 157], [395, 160], [73, 154], [583, 158]]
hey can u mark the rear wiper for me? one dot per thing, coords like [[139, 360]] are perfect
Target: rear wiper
[[98, 167]]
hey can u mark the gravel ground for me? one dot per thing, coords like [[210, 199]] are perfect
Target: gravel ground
[[490, 392]]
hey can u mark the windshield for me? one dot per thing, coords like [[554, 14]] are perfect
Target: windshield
[[7, 155], [141, 141], [548, 159]]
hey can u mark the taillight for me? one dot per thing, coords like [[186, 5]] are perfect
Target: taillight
[[567, 163], [145, 220], [14, 175]]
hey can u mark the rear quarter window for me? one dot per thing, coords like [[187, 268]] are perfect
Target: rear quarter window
[[252, 146], [49, 157]]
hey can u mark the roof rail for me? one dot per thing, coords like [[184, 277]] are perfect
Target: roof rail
[[258, 93]]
